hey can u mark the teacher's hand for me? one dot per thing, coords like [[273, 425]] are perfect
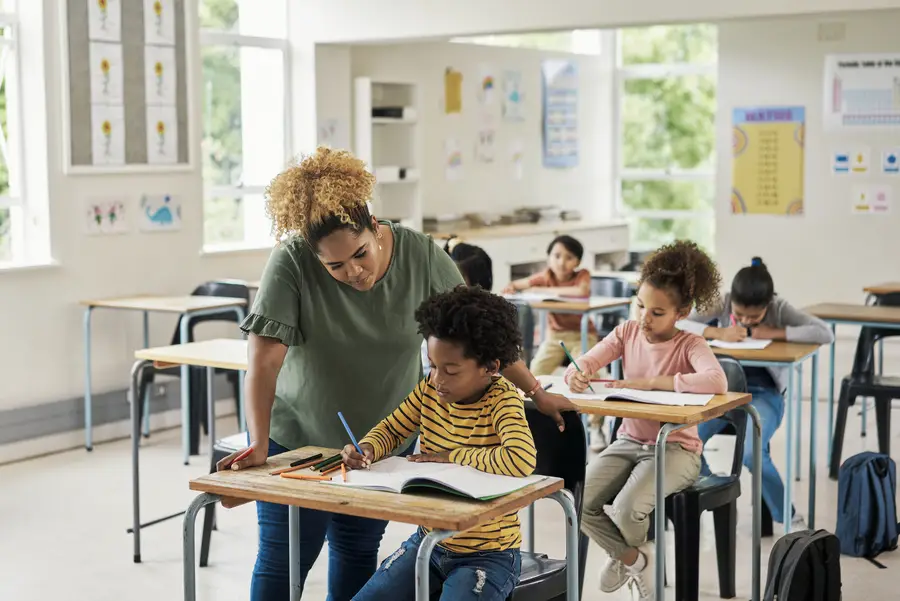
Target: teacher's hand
[[553, 406], [354, 460], [257, 456]]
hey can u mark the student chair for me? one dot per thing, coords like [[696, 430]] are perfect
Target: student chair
[[611, 287], [717, 494], [862, 382], [526, 327], [562, 455], [231, 289], [221, 449]]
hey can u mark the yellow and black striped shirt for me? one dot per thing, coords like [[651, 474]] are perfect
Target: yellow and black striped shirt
[[491, 435]]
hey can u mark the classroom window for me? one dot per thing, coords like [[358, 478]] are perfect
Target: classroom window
[[245, 117], [14, 211], [666, 107]]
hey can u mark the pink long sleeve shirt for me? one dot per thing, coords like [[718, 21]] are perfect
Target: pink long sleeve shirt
[[686, 356]]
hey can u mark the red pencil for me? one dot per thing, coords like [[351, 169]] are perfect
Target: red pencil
[[243, 455], [600, 380]]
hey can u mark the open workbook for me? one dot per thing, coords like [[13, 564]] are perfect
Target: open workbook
[[397, 474], [653, 397], [749, 344]]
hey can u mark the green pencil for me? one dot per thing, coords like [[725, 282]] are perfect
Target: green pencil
[[572, 361]]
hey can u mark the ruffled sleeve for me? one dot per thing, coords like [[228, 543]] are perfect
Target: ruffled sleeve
[[276, 308], [263, 326]]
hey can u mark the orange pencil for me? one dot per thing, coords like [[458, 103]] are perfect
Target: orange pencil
[[332, 469], [343, 471], [284, 470], [297, 476]]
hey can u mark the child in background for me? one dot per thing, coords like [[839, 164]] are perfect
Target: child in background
[[619, 491], [471, 416], [561, 278], [753, 310]]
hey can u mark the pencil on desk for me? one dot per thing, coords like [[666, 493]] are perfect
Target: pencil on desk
[[343, 471], [310, 477], [292, 468], [332, 469], [325, 462]]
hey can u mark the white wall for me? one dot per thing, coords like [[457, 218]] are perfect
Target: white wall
[[827, 254], [41, 356], [350, 21], [487, 187]]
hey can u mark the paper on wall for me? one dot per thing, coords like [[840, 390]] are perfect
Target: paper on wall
[[107, 134], [871, 200], [105, 20], [159, 22], [453, 163], [104, 216], [160, 75], [159, 213], [162, 135], [106, 73]]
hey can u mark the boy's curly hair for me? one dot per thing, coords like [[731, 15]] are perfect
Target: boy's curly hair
[[486, 325], [682, 268], [325, 186]]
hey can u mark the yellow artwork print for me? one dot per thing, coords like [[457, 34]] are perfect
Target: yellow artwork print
[[768, 160]]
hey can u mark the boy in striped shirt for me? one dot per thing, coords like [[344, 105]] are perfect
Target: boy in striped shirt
[[467, 414]]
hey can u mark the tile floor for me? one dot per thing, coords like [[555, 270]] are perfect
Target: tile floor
[[63, 521]]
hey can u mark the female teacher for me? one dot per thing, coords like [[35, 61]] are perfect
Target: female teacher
[[333, 329]]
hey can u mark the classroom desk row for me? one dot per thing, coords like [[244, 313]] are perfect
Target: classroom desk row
[[445, 516]]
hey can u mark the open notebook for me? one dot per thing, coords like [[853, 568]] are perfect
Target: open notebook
[[397, 474], [749, 344], [653, 397], [537, 297]]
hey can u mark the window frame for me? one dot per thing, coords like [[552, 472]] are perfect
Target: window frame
[[22, 246], [621, 75], [218, 38]]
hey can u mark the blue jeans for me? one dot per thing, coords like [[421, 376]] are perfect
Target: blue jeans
[[487, 576], [770, 405], [352, 549]]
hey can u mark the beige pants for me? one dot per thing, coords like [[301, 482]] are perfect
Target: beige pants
[[550, 355], [620, 491]]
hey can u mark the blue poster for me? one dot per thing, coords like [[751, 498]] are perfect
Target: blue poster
[[559, 87]]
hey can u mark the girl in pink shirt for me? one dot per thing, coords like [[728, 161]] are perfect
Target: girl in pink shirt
[[619, 487]]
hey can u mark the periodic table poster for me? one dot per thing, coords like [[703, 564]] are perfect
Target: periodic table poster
[[767, 174]]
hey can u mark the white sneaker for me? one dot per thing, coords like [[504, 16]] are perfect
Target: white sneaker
[[642, 583], [798, 524], [613, 575]]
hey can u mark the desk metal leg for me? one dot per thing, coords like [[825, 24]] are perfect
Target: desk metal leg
[[799, 424], [137, 371], [190, 566], [813, 430], [530, 515], [294, 552], [423, 561], [149, 392], [211, 410], [564, 498], [185, 395], [789, 475], [585, 322], [88, 402], [757, 496], [660, 525], [831, 387]]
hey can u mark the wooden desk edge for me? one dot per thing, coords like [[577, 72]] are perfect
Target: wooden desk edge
[[517, 501], [108, 303], [639, 411]]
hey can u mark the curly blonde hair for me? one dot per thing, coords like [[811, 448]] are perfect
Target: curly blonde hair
[[683, 268], [320, 186]]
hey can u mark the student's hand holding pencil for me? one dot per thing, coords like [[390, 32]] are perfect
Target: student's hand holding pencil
[[579, 382], [354, 460]]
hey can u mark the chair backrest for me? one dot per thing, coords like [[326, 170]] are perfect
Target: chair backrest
[[609, 286], [526, 327], [560, 454], [227, 288], [736, 418]]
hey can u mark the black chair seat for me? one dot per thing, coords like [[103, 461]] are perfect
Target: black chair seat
[[539, 578], [869, 385], [714, 491]]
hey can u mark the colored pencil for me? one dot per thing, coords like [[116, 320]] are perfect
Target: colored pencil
[[332, 469], [344, 472], [292, 468], [306, 477], [572, 361], [324, 462], [246, 453]]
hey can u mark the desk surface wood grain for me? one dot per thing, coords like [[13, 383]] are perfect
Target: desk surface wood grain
[[166, 304], [776, 352], [852, 312], [221, 353]]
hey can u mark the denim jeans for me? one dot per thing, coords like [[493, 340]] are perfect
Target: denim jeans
[[487, 576], [352, 549], [770, 405]]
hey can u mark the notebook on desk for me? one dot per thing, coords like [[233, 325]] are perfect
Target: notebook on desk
[[397, 474], [652, 397], [750, 344], [537, 297]]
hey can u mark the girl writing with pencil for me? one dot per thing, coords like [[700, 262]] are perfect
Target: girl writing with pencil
[[333, 328], [619, 491], [752, 310]]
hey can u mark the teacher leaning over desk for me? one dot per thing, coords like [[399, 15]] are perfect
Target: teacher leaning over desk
[[333, 329]]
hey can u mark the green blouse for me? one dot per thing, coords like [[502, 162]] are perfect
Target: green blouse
[[350, 351]]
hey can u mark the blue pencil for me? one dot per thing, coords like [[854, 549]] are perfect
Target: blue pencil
[[572, 361], [352, 438]]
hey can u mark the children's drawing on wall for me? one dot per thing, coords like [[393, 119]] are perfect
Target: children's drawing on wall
[[840, 162], [484, 145], [487, 85], [162, 135], [102, 217], [516, 159], [159, 22], [160, 75], [453, 163], [890, 161], [874, 199], [107, 134], [452, 91], [859, 160], [105, 20], [107, 85], [159, 213], [512, 96]]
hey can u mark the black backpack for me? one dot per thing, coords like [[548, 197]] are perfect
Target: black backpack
[[805, 566]]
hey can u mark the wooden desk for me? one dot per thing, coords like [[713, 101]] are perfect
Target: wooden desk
[[675, 418], [791, 355], [223, 353], [445, 514], [883, 288], [187, 307], [853, 315]]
